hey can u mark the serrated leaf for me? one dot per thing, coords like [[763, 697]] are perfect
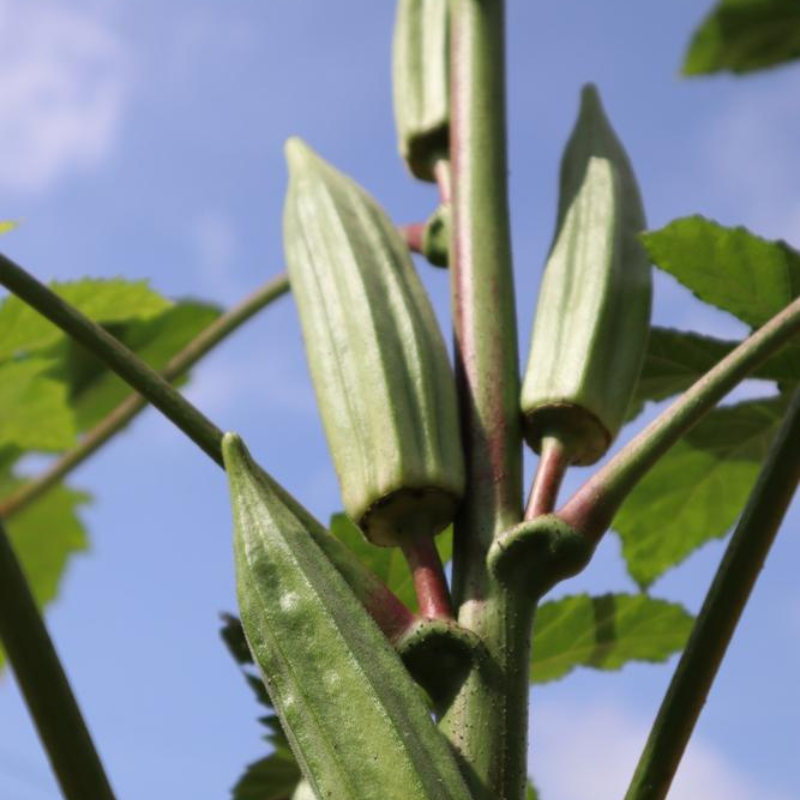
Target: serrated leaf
[[34, 410], [45, 537], [274, 777], [696, 492], [605, 632], [745, 35], [676, 359], [387, 563], [730, 268], [23, 330], [93, 390]]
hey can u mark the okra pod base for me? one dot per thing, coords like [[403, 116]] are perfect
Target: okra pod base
[[584, 438], [408, 513], [536, 555]]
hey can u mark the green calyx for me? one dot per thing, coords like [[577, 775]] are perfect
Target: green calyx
[[534, 556], [436, 238], [439, 654], [593, 312], [421, 78], [357, 724], [377, 358]]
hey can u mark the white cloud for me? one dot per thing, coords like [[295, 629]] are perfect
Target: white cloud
[[752, 149], [63, 81], [581, 752]]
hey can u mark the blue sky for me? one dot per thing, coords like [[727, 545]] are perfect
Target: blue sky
[[146, 140]]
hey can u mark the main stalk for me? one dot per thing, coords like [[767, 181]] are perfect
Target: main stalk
[[487, 721]]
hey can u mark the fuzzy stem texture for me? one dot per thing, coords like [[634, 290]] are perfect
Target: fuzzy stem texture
[[487, 720], [45, 686], [129, 408], [430, 582], [720, 613]]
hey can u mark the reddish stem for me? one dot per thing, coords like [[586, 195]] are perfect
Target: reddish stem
[[390, 614], [414, 234], [550, 471], [441, 170], [430, 583]]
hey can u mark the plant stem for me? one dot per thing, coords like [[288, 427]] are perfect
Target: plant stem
[[441, 170], [44, 684], [720, 613], [129, 408], [430, 583], [592, 508], [487, 721], [115, 356], [550, 473], [414, 236]]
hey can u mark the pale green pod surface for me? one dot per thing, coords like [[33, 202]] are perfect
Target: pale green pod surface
[[593, 313], [355, 720], [421, 70], [304, 791], [377, 358]]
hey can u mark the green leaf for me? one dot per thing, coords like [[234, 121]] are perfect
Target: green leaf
[[745, 35], [387, 563], [730, 268], [696, 492], [605, 632], [34, 412], [274, 777], [531, 792], [94, 391], [23, 330], [45, 535], [676, 359]]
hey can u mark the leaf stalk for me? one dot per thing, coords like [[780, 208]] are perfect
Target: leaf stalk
[[117, 357], [45, 686], [722, 608], [128, 409], [592, 508]]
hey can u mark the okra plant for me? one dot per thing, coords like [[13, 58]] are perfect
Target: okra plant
[[387, 672]]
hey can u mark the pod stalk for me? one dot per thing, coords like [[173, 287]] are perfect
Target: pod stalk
[[550, 471]]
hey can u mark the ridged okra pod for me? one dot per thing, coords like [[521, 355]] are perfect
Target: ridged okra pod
[[377, 358], [356, 722], [593, 312], [421, 78]]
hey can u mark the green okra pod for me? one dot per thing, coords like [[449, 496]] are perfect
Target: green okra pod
[[421, 80], [593, 313], [377, 358], [356, 722]]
